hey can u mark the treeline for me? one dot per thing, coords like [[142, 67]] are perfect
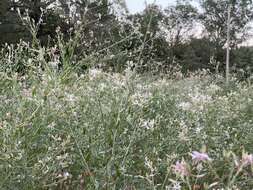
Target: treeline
[[155, 40]]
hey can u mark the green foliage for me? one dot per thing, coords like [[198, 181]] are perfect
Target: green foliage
[[153, 40], [243, 61], [86, 103], [214, 19], [115, 131]]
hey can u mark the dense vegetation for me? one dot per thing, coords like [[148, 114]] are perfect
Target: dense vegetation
[[154, 40], [115, 131], [92, 97]]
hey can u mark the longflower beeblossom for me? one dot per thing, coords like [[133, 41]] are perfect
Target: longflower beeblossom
[[200, 157], [181, 168], [247, 159]]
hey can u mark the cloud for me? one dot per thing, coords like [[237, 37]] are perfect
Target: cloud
[[138, 5]]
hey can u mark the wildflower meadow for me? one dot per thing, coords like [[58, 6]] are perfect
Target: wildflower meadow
[[96, 97], [104, 130]]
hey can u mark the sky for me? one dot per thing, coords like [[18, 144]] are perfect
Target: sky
[[138, 5]]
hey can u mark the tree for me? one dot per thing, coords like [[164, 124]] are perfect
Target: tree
[[214, 19], [198, 54], [243, 61], [180, 19], [11, 29], [40, 12], [148, 45], [94, 19], [178, 23], [4, 5]]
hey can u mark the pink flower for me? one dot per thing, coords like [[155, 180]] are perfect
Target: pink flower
[[200, 157], [181, 168], [247, 159]]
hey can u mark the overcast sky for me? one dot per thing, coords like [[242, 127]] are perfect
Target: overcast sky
[[138, 5]]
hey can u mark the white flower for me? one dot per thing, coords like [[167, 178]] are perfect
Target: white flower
[[51, 125], [54, 65], [66, 174], [71, 97], [148, 124], [102, 86], [94, 73], [176, 186], [186, 106], [213, 88], [140, 98], [198, 98], [27, 93]]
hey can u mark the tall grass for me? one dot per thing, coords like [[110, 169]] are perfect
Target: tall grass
[[62, 129], [123, 131]]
